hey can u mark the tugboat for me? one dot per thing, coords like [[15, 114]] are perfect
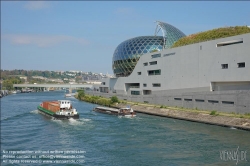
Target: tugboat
[[127, 112], [61, 109]]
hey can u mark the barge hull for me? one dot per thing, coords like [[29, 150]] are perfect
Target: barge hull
[[106, 112], [112, 111], [53, 115]]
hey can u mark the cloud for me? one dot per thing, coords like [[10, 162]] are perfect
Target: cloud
[[36, 5], [43, 40]]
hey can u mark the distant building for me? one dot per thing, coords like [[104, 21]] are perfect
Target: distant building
[[211, 75], [55, 80], [24, 77], [39, 77], [94, 82]]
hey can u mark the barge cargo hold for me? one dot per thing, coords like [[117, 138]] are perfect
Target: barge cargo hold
[[127, 112], [61, 109]]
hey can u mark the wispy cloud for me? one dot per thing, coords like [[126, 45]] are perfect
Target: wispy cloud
[[43, 40], [36, 5]]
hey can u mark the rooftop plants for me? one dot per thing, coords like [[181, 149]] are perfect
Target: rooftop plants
[[212, 35]]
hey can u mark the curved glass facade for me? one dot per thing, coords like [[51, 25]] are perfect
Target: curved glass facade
[[170, 33], [129, 52]]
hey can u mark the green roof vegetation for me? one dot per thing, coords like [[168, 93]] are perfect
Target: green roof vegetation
[[212, 35]]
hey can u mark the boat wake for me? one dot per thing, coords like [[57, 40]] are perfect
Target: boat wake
[[233, 128], [124, 117], [71, 121], [93, 112], [34, 112], [58, 121], [127, 117], [85, 120], [76, 122]]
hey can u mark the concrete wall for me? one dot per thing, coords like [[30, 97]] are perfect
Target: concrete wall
[[223, 101], [193, 72], [195, 67]]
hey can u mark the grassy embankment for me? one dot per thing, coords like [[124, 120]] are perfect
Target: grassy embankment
[[113, 101], [212, 35]]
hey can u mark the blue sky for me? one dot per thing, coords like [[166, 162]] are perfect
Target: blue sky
[[82, 35]]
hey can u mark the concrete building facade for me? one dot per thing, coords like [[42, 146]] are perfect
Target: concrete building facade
[[212, 75]]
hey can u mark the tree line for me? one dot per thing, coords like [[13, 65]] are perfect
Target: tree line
[[96, 99], [29, 73], [10, 77], [7, 84]]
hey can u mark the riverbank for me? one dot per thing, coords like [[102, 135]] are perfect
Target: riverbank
[[232, 120], [226, 120]]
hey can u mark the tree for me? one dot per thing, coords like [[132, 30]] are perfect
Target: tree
[[8, 83], [80, 93], [114, 99]]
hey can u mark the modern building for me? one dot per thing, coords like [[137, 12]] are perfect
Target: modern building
[[211, 75], [128, 53]]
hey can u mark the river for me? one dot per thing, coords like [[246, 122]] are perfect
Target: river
[[30, 138]]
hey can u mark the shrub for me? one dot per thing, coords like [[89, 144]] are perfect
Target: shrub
[[80, 94], [213, 112], [114, 99]]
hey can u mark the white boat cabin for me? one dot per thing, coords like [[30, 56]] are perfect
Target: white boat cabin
[[126, 110], [65, 104]]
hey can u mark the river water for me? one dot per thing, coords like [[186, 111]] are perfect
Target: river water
[[30, 138]]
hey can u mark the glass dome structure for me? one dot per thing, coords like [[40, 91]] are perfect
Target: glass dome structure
[[127, 53], [170, 33]]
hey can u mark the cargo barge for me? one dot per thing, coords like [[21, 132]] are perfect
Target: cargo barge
[[61, 109], [127, 112]]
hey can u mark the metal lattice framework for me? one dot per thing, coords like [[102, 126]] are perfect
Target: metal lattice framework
[[170, 33], [129, 52]]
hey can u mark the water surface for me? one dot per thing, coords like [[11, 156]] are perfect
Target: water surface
[[110, 140]]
